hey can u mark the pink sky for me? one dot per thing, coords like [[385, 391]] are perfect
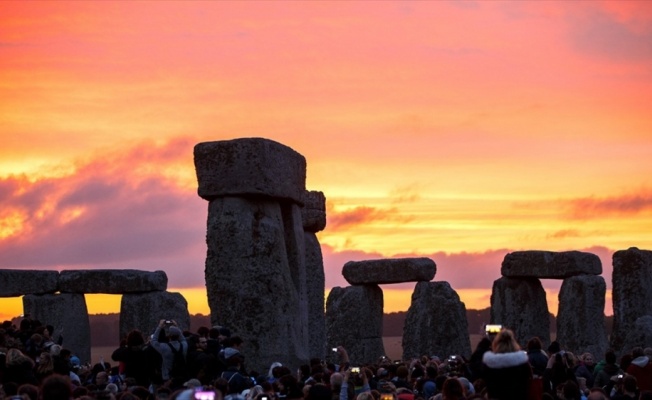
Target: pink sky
[[459, 131]]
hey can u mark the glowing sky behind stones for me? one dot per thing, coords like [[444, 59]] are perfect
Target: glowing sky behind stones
[[459, 131]]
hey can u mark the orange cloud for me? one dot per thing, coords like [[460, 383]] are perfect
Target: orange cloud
[[599, 207]]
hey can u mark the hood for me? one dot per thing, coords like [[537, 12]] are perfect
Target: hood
[[641, 361], [504, 360]]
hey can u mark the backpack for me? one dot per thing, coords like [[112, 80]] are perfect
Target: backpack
[[179, 368]]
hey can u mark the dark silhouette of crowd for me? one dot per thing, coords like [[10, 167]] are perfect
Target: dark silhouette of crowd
[[209, 365]]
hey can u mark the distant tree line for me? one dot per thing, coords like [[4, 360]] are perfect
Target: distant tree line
[[105, 327]]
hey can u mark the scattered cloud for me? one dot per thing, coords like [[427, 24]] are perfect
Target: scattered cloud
[[597, 207]]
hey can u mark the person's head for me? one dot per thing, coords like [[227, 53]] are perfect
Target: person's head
[[174, 333], [402, 372], [534, 344], [102, 378], [319, 391], [15, 357], [202, 343], [336, 380], [554, 347], [597, 394], [28, 390], [571, 391], [630, 384], [56, 387], [610, 357], [504, 342], [452, 389], [135, 338], [587, 359]]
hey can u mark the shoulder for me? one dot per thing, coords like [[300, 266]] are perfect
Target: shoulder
[[504, 360]]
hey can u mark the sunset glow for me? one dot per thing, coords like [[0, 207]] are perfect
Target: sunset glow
[[459, 131]]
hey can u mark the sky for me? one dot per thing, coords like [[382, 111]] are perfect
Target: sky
[[459, 131]]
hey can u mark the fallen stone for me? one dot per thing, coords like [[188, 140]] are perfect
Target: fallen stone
[[550, 265], [580, 320], [640, 335], [144, 311], [632, 298], [255, 279], [390, 270], [112, 281], [313, 212], [354, 320], [68, 314], [249, 167], [315, 281], [520, 304], [18, 282], [435, 323]]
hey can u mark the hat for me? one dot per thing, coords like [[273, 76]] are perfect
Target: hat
[[192, 383], [225, 332], [174, 331], [230, 352], [74, 360]]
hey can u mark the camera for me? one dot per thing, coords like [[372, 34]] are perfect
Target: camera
[[335, 349], [493, 328]]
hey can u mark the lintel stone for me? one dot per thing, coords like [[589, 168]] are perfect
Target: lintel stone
[[111, 281], [390, 270], [313, 212], [18, 282], [249, 167], [550, 265]]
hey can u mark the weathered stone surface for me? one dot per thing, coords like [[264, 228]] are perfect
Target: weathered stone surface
[[111, 281], [255, 277], [520, 305], [313, 212], [315, 281], [580, 320], [391, 270], [435, 323], [550, 265], [65, 312], [640, 335], [631, 294], [354, 319], [143, 311], [249, 166], [17, 282]]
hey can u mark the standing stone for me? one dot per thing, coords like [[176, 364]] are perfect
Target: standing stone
[[255, 264], [313, 215], [389, 270], [143, 311], [111, 281], [640, 335], [520, 304], [631, 294], [354, 319], [549, 264], [580, 321], [435, 323], [65, 311], [18, 282]]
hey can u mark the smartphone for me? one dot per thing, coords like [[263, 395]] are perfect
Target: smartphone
[[355, 370], [386, 396], [335, 349], [493, 328], [204, 395]]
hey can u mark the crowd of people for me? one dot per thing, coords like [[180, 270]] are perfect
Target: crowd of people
[[209, 365]]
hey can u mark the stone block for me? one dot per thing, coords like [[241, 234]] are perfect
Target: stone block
[[66, 312], [18, 282], [249, 167], [315, 281], [550, 265], [580, 320], [520, 304], [112, 281], [143, 311], [632, 298], [390, 270], [354, 319], [435, 323], [255, 281], [313, 212], [640, 335]]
